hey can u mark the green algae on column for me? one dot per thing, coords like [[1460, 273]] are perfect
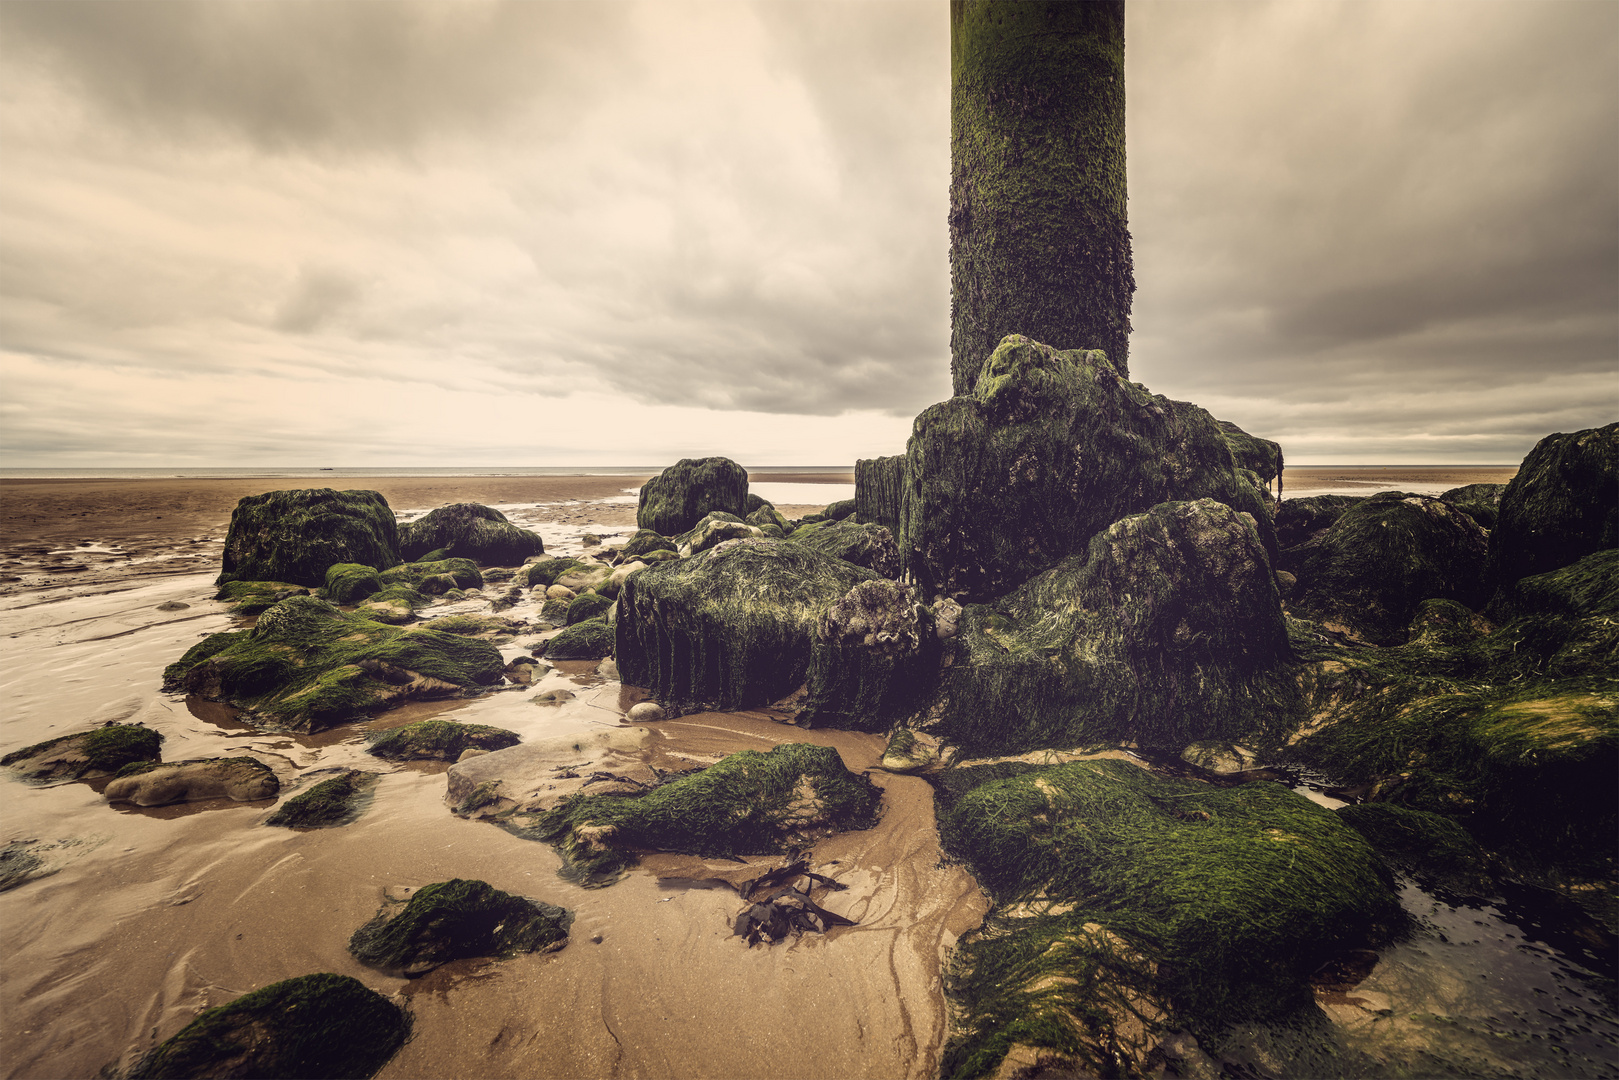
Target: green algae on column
[[1039, 243]]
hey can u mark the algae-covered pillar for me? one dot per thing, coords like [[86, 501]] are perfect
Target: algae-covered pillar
[[1038, 238]]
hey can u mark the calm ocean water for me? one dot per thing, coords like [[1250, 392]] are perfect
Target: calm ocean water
[[340, 472]]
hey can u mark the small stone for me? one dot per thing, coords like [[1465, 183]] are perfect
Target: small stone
[[173, 605], [645, 712], [560, 592], [590, 540]]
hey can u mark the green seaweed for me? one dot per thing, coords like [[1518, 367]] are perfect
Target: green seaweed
[[462, 574], [1260, 456], [349, 583], [294, 536], [314, 1027], [1431, 846], [1481, 502], [252, 597], [456, 919], [870, 546], [328, 804], [544, 572], [104, 749], [394, 605], [588, 606], [676, 499], [437, 740], [469, 531], [748, 803], [644, 541], [1562, 505], [591, 639]]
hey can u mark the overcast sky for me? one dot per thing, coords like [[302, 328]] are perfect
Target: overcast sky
[[558, 233]]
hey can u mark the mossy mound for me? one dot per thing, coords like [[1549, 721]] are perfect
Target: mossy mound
[[588, 640], [838, 511], [878, 491], [715, 529], [328, 804], [349, 583], [1514, 734], [1220, 901], [437, 740], [1301, 520], [544, 572], [295, 536], [1050, 449], [874, 660], [1562, 505], [730, 628], [1168, 631], [676, 499], [748, 803], [766, 517], [1382, 558], [1481, 501], [314, 1026], [307, 666], [646, 540], [588, 606], [252, 597], [871, 546], [1433, 847], [456, 919], [555, 612], [101, 751], [1259, 456], [467, 625], [394, 605], [425, 576], [468, 531]]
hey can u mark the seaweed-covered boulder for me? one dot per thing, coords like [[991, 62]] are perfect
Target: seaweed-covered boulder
[[313, 1026], [349, 583], [838, 511], [875, 659], [766, 516], [748, 803], [644, 541], [456, 919], [878, 491], [871, 546], [1260, 456], [101, 751], [154, 783], [1168, 631], [1220, 900], [582, 577], [437, 740], [252, 597], [1369, 571], [307, 666], [715, 529], [469, 531], [1481, 501], [1050, 449], [394, 605], [1430, 846], [1301, 520], [588, 606], [730, 628], [1562, 505], [294, 536], [591, 639], [327, 804], [458, 574], [677, 499]]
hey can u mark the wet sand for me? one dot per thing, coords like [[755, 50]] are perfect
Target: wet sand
[[153, 915]]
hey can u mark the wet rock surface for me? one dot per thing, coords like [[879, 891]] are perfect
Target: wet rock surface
[[468, 531], [294, 536], [99, 752], [438, 740], [327, 804], [241, 779], [454, 920]]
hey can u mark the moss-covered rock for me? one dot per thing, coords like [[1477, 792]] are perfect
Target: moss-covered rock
[[458, 574], [676, 499], [294, 536], [328, 804], [468, 531], [715, 529], [767, 517], [437, 740], [555, 611], [101, 751], [878, 491], [481, 626], [1050, 449], [748, 803], [1168, 631], [588, 606], [1562, 505], [874, 660], [1433, 847], [1260, 456], [1481, 501], [871, 546], [456, 919], [644, 541], [1301, 520], [837, 511], [394, 605], [591, 639], [584, 576], [733, 627], [1382, 558], [307, 666], [1221, 901], [155, 783], [312, 1026], [349, 583], [252, 597]]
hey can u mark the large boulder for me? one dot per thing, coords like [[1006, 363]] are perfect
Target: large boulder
[[1049, 449], [469, 531], [1299, 521], [1168, 631], [307, 666], [454, 920], [315, 1025], [871, 546], [85, 755], [678, 498], [874, 659], [730, 628], [1481, 501], [1561, 506], [1367, 574], [1115, 886], [294, 536]]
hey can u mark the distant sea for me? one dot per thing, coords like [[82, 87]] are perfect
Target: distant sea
[[336, 472]]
